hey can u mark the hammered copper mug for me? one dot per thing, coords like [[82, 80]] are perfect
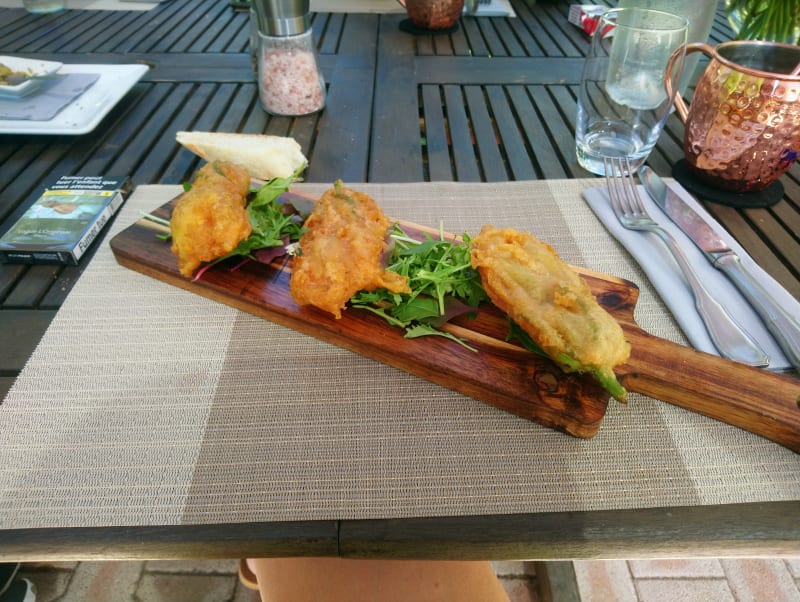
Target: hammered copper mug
[[742, 129], [433, 14]]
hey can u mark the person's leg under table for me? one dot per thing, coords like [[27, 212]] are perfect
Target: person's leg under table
[[356, 580]]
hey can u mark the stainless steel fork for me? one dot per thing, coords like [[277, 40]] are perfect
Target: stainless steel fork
[[730, 338]]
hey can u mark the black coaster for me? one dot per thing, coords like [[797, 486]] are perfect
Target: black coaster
[[741, 200], [407, 26]]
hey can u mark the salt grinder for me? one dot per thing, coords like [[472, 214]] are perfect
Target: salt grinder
[[290, 81]]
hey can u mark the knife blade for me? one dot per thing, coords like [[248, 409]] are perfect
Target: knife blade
[[784, 327]]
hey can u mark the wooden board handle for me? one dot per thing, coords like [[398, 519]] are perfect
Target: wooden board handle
[[753, 399]]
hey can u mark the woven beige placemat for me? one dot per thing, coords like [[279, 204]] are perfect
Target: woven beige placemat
[[145, 404]]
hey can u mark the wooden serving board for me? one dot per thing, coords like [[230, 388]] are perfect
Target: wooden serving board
[[501, 374]]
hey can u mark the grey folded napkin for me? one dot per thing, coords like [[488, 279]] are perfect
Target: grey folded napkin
[[50, 98], [665, 275]]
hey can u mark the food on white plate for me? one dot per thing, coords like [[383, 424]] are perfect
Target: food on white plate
[[549, 301], [210, 219], [341, 251], [6, 71], [263, 156]]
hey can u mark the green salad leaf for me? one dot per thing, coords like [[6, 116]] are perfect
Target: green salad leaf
[[273, 224], [439, 272]]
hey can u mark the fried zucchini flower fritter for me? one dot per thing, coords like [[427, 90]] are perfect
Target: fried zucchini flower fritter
[[525, 278], [210, 219], [341, 251]]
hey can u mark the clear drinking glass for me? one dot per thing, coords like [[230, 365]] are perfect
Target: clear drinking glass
[[623, 100], [701, 15]]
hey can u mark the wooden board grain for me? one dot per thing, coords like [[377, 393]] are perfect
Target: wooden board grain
[[501, 373]]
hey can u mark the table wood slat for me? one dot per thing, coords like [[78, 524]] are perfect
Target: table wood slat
[[9, 276], [536, 133], [164, 24], [570, 40], [506, 33], [216, 34], [116, 155], [62, 284], [240, 540], [395, 153], [553, 105], [184, 33], [788, 213], [705, 531], [335, 141], [20, 331], [334, 25], [235, 38], [486, 139], [28, 33], [121, 29], [504, 70], [541, 44], [462, 139], [38, 280], [460, 41], [474, 38], [755, 246], [436, 135], [495, 44], [29, 167], [508, 124]]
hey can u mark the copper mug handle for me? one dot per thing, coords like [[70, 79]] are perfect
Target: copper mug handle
[[680, 104]]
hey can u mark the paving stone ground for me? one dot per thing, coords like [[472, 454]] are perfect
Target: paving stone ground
[[189, 581], [697, 580]]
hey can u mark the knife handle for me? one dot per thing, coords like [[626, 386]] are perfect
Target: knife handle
[[784, 327], [728, 336]]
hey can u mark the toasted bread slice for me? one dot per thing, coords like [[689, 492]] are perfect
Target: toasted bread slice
[[262, 155]]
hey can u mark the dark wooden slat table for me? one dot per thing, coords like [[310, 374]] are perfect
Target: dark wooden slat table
[[493, 101]]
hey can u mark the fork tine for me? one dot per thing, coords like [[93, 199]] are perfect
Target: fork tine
[[631, 196], [613, 184]]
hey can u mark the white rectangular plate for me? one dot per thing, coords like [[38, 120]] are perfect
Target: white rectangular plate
[[31, 67], [84, 113]]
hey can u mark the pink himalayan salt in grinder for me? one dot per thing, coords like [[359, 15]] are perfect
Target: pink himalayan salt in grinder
[[290, 81]]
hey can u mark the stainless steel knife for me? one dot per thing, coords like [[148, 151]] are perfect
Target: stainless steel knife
[[783, 326]]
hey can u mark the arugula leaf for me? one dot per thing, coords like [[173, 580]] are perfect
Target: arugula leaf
[[422, 330], [441, 277], [272, 225], [417, 309], [270, 191], [515, 332]]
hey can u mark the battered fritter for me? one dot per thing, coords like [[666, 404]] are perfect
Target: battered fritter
[[526, 279], [341, 250], [210, 219]]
